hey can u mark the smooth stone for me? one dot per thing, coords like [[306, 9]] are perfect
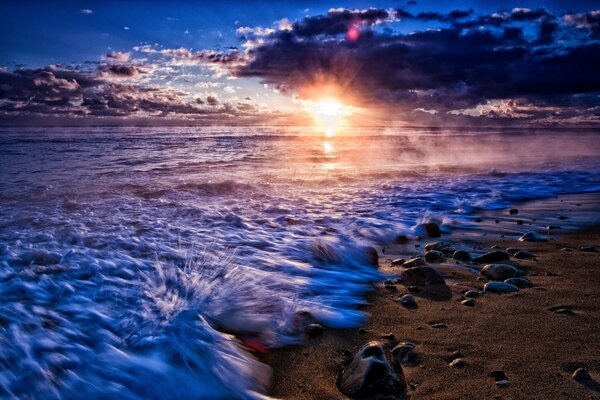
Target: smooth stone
[[404, 353], [430, 229], [512, 250], [581, 375], [398, 262], [408, 300], [461, 255], [518, 282], [421, 276], [522, 255], [587, 248], [414, 262], [457, 363], [371, 256], [565, 311], [472, 293], [499, 272], [562, 217], [468, 302], [433, 256], [313, 330], [552, 227], [494, 256], [513, 211], [441, 325], [401, 239], [499, 287], [370, 375], [520, 222], [531, 237], [437, 246]]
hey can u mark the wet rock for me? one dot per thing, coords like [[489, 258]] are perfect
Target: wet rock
[[494, 256], [581, 375], [404, 353], [301, 320], [562, 217], [398, 261], [433, 256], [314, 330], [518, 282], [512, 250], [362, 331], [500, 378], [401, 239], [440, 325], [371, 257], [369, 375], [461, 255], [408, 300], [513, 211], [499, 272], [523, 255], [565, 311], [457, 363], [531, 237], [552, 227], [390, 284], [499, 287], [437, 246], [390, 336], [587, 248], [468, 302], [565, 249], [414, 262], [471, 293], [430, 229], [421, 276], [520, 222]]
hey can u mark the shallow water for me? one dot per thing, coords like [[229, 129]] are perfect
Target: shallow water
[[133, 260]]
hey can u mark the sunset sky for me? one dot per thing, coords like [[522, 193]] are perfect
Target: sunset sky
[[241, 62]]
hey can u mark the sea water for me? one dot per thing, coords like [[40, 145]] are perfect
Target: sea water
[[144, 262]]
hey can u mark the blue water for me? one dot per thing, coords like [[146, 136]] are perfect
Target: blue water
[[135, 261]]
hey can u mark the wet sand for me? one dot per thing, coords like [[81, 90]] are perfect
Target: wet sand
[[517, 333]]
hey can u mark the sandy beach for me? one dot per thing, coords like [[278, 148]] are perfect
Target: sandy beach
[[518, 334]]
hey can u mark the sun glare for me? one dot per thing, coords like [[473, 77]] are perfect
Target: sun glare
[[328, 114]]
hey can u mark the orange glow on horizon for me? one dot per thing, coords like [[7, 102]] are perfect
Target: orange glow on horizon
[[329, 115]]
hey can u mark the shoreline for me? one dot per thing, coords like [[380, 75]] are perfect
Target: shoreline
[[517, 333]]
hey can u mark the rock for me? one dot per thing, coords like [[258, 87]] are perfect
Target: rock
[[456, 354], [565, 311], [390, 336], [522, 255], [457, 363], [421, 276], [430, 229], [520, 222], [512, 250], [398, 261], [513, 211], [499, 272], [582, 375], [301, 320], [369, 375], [401, 239], [404, 353], [500, 378], [440, 325], [314, 330], [414, 262], [362, 331], [564, 249], [437, 246], [408, 300], [461, 255], [587, 248], [531, 237], [468, 302], [552, 227], [371, 257], [518, 282], [471, 293], [562, 217], [433, 256], [494, 256], [499, 287]]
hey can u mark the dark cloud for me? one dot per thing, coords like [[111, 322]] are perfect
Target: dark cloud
[[212, 100], [120, 71]]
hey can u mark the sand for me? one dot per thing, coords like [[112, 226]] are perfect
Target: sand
[[516, 333]]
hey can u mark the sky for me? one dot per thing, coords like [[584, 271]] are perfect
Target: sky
[[259, 62]]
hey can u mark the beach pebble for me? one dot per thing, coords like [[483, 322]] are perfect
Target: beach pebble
[[513, 211], [587, 248], [440, 325], [433, 256], [562, 217], [500, 378], [457, 363], [552, 227], [494, 256], [565, 311], [471, 293], [436, 246], [370, 375], [408, 300], [531, 237], [421, 276], [468, 302], [522, 255], [499, 287], [518, 282], [499, 272], [414, 262], [404, 353], [398, 262], [461, 255], [313, 330], [581, 375], [430, 229]]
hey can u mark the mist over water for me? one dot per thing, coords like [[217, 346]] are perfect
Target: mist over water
[[134, 261]]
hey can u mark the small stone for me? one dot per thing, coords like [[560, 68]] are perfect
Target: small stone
[[468, 302], [440, 325], [564, 249], [520, 222], [314, 330], [398, 261], [513, 211], [461, 255], [437, 246], [414, 262], [512, 250], [421, 276], [494, 256], [362, 330], [389, 336], [478, 220], [430, 229], [497, 221], [401, 239], [499, 287], [499, 272], [562, 217], [433, 256], [565, 311], [456, 354], [408, 300], [531, 237], [404, 353], [551, 274], [471, 293], [552, 227], [587, 248], [503, 383], [457, 363], [519, 282], [581, 375], [500, 378], [522, 255]]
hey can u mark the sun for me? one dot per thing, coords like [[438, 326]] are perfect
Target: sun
[[328, 114]]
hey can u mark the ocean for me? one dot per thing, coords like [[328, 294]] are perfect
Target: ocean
[[142, 262]]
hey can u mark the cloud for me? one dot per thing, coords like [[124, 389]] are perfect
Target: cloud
[[118, 56], [120, 71], [86, 11], [212, 100]]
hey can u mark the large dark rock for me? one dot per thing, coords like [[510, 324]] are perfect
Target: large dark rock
[[370, 256], [421, 276], [414, 262], [430, 229], [499, 272], [433, 256], [461, 255], [494, 256], [370, 376]]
